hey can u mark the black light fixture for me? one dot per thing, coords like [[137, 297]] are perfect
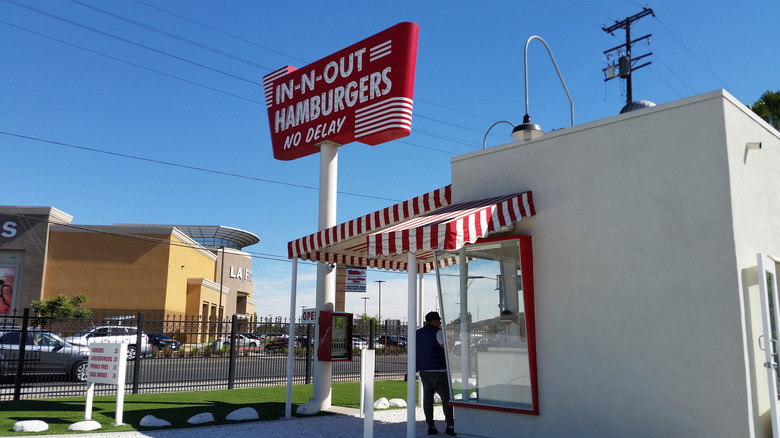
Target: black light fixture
[[528, 131]]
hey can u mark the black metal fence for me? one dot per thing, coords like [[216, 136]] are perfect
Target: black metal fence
[[40, 357]]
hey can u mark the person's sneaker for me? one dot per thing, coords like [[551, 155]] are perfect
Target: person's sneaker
[[432, 431], [450, 431]]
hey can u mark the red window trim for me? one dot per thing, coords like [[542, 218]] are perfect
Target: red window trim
[[527, 267]]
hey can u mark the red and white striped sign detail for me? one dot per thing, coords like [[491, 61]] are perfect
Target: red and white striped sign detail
[[452, 227], [306, 248], [390, 113]]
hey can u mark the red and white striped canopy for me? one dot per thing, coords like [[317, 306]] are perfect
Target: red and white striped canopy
[[420, 225], [346, 244], [452, 227]]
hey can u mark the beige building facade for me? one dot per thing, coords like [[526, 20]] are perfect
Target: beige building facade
[[165, 270]]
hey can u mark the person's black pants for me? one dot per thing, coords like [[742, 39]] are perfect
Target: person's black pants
[[436, 382]]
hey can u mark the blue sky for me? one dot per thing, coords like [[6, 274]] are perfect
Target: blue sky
[[152, 111]]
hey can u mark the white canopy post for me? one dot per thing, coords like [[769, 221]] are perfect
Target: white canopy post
[[465, 371], [420, 296], [411, 345], [293, 298]]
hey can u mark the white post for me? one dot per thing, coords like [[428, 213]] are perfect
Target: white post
[[367, 367], [326, 276], [465, 372], [421, 298], [411, 364], [290, 352], [420, 311]]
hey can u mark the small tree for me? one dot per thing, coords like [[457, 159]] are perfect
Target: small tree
[[61, 306], [768, 107]]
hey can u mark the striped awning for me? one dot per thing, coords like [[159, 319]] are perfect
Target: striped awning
[[452, 227], [420, 225], [346, 244]]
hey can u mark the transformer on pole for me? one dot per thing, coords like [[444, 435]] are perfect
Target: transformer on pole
[[626, 63]]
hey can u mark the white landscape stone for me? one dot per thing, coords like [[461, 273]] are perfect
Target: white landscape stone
[[85, 426], [152, 421], [397, 402], [206, 417], [243, 414], [30, 426], [382, 403]]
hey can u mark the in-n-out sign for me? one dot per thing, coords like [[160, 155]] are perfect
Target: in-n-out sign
[[362, 93]]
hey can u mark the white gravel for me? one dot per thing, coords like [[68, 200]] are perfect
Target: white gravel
[[346, 423]]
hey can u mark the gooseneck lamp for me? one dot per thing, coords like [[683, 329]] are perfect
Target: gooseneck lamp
[[530, 131]]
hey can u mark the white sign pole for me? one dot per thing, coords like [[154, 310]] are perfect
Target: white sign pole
[[90, 397], [290, 342], [326, 275]]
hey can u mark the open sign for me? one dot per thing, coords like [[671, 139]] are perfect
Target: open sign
[[309, 316]]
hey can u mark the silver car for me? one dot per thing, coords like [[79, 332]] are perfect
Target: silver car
[[45, 353], [114, 333]]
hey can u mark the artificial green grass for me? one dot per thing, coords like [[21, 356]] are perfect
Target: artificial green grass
[[178, 407]]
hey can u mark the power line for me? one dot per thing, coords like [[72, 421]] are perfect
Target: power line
[[221, 31], [574, 17], [675, 74], [590, 9], [438, 136], [236, 95], [132, 63], [183, 166], [170, 35], [56, 17], [692, 53]]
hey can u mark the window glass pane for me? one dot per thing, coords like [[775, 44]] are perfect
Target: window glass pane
[[484, 317]]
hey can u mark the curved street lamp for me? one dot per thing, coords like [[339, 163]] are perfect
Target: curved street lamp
[[530, 131]]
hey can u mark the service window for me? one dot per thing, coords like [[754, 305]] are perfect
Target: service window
[[487, 304]]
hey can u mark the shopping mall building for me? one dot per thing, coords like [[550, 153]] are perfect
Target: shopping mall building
[[166, 270]]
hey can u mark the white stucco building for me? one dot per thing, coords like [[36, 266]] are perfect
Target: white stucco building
[[630, 263], [645, 239]]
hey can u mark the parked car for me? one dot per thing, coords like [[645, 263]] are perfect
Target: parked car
[[114, 333], [243, 340], [161, 340], [45, 353], [278, 345], [389, 341], [358, 342]]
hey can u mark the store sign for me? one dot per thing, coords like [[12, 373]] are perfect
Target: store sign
[[240, 273], [356, 280], [309, 316], [107, 362], [8, 229], [363, 93]]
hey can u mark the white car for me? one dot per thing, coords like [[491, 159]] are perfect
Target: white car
[[114, 333], [358, 342]]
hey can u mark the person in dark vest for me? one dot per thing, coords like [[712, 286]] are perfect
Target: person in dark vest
[[432, 366]]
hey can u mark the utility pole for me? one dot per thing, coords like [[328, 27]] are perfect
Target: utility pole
[[625, 60]]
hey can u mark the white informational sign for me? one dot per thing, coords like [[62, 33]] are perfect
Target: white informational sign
[[309, 316], [105, 361], [107, 364], [356, 280]]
